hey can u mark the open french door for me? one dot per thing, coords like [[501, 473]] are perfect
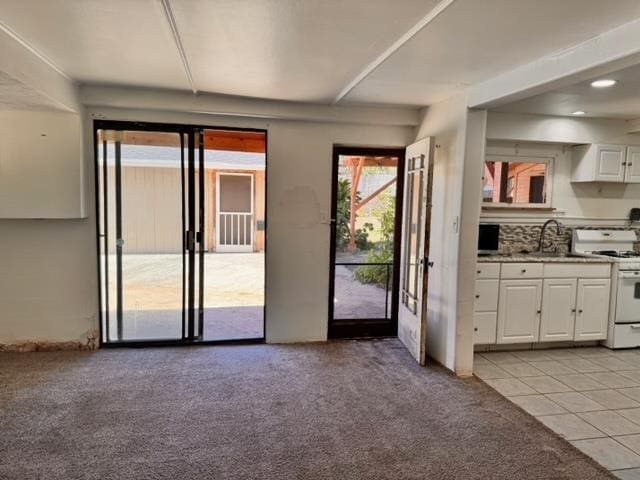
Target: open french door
[[418, 176]]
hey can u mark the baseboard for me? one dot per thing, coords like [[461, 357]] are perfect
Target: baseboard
[[91, 343]]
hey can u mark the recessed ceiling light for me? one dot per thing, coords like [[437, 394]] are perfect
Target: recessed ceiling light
[[604, 83], [578, 113]]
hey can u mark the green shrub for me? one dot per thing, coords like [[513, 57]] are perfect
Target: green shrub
[[343, 219], [376, 274]]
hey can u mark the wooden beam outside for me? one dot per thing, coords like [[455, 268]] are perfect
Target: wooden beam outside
[[375, 194], [356, 175], [226, 140], [372, 161]]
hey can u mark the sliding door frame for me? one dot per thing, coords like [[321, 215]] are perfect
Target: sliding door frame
[[366, 327], [195, 140]]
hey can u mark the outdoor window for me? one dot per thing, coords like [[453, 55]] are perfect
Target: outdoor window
[[517, 182]]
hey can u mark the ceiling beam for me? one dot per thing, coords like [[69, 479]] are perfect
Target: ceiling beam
[[395, 46], [232, 106], [171, 20], [32, 69], [610, 51]]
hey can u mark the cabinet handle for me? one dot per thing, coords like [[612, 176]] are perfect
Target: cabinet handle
[[524, 270], [539, 312], [624, 164], [479, 272], [573, 310], [580, 311], [475, 329], [477, 296]]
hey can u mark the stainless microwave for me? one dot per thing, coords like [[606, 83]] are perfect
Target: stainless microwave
[[488, 238]]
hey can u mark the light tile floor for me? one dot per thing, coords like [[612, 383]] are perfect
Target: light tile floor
[[590, 396]]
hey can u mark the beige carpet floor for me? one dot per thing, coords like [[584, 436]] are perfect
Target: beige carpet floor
[[342, 410]]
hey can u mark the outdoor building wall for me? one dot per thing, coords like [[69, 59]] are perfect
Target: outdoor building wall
[[152, 214]]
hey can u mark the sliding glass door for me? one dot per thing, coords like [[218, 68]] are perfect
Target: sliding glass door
[[181, 233], [149, 215]]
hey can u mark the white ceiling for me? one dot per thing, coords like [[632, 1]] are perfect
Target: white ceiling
[[303, 50], [620, 101], [474, 40]]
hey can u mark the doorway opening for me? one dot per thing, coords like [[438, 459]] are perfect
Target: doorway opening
[[365, 241], [181, 233]]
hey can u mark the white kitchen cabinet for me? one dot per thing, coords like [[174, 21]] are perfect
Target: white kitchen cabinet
[[484, 326], [486, 295], [558, 309], [592, 316], [605, 163], [632, 168], [519, 311]]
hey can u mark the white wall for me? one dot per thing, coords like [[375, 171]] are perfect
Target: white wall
[[41, 165], [575, 203], [49, 290], [48, 279], [449, 327]]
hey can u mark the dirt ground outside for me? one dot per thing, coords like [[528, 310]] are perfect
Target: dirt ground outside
[[233, 296]]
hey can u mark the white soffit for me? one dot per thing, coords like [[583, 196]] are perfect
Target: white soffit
[[472, 41], [620, 101], [97, 41]]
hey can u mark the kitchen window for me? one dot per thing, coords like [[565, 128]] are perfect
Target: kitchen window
[[517, 182]]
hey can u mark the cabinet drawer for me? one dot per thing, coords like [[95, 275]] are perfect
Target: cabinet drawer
[[484, 326], [488, 270], [522, 270], [626, 335], [577, 270], [486, 295]]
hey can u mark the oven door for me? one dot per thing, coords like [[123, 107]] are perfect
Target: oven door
[[628, 304]]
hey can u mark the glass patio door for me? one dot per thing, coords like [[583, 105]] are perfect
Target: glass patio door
[[150, 232], [365, 249]]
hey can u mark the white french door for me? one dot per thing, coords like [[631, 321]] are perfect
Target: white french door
[[234, 212], [415, 247]]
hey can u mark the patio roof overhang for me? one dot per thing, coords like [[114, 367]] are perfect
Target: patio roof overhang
[[225, 140]]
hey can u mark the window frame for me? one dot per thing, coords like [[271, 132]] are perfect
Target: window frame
[[549, 161]]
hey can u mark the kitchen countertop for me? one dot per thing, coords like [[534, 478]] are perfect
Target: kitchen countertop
[[524, 258]]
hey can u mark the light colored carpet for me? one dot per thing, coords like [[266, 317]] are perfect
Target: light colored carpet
[[342, 410]]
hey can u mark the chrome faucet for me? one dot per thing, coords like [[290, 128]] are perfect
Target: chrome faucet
[[559, 231]]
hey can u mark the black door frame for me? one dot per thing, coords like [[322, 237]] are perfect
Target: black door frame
[[191, 236], [367, 327]]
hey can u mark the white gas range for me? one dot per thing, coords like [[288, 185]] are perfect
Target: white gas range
[[617, 245]]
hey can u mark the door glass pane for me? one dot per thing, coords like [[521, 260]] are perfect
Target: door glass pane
[[234, 247], [413, 244], [364, 237], [144, 242]]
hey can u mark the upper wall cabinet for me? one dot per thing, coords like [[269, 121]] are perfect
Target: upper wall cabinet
[[40, 165], [606, 163]]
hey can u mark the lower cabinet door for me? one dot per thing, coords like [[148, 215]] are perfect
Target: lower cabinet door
[[558, 310], [484, 326], [592, 318], [519, 311]]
